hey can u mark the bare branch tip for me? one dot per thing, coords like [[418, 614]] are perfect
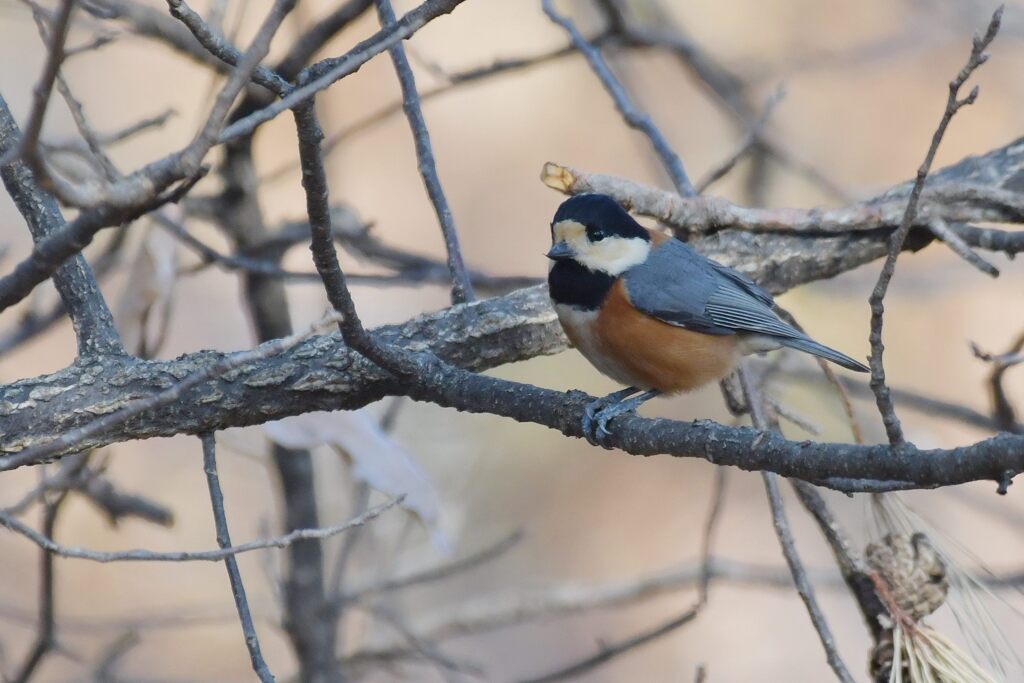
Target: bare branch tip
[[557, 177]]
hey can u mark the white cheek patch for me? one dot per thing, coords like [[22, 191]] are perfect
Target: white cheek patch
[[569, 232], [613, 255]]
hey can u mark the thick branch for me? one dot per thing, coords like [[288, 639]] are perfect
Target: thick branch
[[94, 326], [323, 374]]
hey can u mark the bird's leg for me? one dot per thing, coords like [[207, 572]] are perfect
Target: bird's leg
[[599, 413], [591, 410]]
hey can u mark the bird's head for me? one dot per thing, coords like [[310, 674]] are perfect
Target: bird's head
[[597, 233]]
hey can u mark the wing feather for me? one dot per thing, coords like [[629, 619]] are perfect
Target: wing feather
[[680, 287]]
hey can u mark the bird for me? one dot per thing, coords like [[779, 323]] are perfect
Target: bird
[[651, 313]]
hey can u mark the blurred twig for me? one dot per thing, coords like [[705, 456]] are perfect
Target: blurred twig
[[284, 541], [747, 145], [609, 651], [440, 572], [41, 93], [410, 269], [705, 575], [911, 399], [1003, 412], [46, 638]]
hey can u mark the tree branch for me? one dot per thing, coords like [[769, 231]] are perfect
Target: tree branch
[[94, 325], [220, 520], [325, 73], [755, 407], [292, 537], [803, 585], [462, 288], [882, 395], [46, 640], [71, 438], [41, 93], [323, 373], [633, 117], [140, 192]]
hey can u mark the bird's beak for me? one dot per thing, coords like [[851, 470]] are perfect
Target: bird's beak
[[560, 251]]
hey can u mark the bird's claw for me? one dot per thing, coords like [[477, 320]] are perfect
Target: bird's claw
[[590, 425], [596, 416], [598, 413]]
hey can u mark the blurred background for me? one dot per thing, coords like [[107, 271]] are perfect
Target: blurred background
[[865, 84]]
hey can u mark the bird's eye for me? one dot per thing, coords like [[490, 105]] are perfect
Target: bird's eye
[[596, 234]]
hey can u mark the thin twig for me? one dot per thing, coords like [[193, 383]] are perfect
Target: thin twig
[[325, 73], [441, 572], [610, 651], [833, 379], [883, 396], [1003, 412], [854, 570], [121, 200], [51, 251], [455, 81], [218, 46], [803, 584], [462, 288], [913, 400], [88, 481], [420, 269], [118, 649], [959, 246], [707, 538], [633, 117], [749, 143], [427, 650], [142, 191], [74, 106], [41, 93], [189, 556], [94, 326], [46, 640], [314, 183], [361, 501], [220, 521], [781, 410], [782, 530], [34, 323], [704, 576]]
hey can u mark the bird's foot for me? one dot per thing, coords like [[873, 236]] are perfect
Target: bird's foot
[[597, 414]]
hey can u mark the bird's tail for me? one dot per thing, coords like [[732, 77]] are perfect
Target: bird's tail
[[815, 349]]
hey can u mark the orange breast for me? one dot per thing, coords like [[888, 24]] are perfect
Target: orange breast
[[657, 355]]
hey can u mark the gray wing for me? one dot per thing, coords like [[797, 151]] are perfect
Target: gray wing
[[678, 286]]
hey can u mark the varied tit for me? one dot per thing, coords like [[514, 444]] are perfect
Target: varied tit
[[651, 313]]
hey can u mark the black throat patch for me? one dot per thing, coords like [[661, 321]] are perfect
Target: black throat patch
[[578, 286]]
